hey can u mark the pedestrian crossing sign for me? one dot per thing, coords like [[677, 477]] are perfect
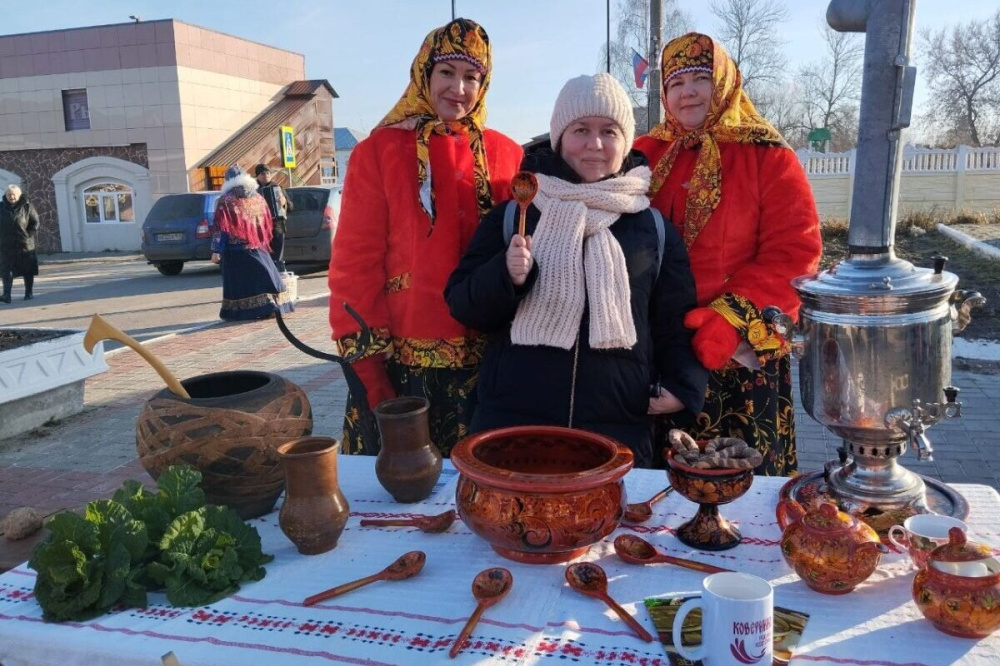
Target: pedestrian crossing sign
[[287, 147]]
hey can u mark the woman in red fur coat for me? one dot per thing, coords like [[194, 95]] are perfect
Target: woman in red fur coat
[[739, 197], [413, 197]]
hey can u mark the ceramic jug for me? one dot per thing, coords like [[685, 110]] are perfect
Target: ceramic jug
[[831, 551], [959, 589], [314, 512], [408, 464]]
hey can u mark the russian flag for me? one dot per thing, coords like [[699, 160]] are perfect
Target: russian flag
[[639, 67]]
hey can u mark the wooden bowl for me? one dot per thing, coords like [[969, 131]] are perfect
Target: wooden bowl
[[229, 430], [709, 488], [541, 494]]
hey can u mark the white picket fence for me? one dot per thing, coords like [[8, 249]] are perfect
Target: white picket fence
[[951, 180], [920, 160]]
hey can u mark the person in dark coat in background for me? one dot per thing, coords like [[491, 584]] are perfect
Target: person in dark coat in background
[[277, 203], [18, 229], [585, 309]]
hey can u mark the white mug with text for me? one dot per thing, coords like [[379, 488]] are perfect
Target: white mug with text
[[737, 615]]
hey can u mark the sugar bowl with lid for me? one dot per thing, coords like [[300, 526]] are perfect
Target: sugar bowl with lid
[[959, 588]]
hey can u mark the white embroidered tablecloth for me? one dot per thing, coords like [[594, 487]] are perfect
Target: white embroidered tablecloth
[[542, 621]]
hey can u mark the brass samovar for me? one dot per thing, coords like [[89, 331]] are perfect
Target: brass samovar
[[876, 344]]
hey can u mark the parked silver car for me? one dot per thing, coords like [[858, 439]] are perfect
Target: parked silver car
[[312, 221]]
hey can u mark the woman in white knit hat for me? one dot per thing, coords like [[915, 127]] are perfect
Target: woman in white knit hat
[[585, 313]]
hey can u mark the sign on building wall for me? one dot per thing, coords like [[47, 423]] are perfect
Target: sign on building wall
[[287, 147]]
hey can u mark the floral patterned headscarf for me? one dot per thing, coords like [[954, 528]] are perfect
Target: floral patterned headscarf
[[731, 118], [461, 39]]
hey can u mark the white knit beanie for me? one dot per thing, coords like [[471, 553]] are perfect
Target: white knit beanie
[[598, 95]]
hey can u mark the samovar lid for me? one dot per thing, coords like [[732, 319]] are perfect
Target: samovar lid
[[881, 278]]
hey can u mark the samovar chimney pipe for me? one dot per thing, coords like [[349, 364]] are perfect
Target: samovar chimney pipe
[[886, 106]]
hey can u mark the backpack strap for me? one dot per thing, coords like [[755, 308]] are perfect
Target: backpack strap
[[661, 237], [508, 221]]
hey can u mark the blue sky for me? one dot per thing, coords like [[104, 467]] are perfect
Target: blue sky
[[364, 47]]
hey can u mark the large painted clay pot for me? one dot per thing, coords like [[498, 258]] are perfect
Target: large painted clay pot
[[541, 494], [959, 589], [229, 430], [315, 511], [408, 463]]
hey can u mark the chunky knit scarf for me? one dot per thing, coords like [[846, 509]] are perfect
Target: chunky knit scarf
[[577, 255]]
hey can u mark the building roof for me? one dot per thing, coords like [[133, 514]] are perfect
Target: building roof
[[296, 95], [345, 138], [309, 88]]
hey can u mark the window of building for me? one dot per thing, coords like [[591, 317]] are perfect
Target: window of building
[[108, 203], [76, 111]]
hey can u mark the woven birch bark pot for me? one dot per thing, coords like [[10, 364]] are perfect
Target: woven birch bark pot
[[229, 430]]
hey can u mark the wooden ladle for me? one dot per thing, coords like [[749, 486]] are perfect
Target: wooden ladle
[[100, 329], [634, 550], [488, 587], [640, 512], [429, 524], [406, 566], [589, 579], [524, 186]]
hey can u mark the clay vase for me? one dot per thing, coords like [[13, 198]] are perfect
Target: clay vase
[[314, 512], [408, 464], [229, 430]]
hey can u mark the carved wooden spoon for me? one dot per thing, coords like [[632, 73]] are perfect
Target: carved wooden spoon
[[640, 512], [524, 186], [406, 566], [634, 550], [430, 524], [590, 579], [488, 587]]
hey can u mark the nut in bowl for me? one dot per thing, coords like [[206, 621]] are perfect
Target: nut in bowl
[[708, 487], [541, 494]]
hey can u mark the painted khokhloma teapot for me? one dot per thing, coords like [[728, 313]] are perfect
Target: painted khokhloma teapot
[[832, 551]]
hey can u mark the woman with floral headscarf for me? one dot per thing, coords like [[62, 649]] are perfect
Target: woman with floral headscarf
[[739, 197], [251, 286], [413, 197]]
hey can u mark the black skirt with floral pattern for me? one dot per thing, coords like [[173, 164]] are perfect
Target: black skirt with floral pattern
[[754, 405]]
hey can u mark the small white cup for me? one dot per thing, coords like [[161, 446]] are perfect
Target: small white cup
[[922, 533], [737, 617]]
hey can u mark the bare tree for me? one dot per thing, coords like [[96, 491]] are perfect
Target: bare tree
[[749, 30], [781, 104], [962, 65], [633, 33], [831, 87]]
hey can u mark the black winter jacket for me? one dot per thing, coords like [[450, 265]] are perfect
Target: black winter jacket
[[528, 385], [18, 228]]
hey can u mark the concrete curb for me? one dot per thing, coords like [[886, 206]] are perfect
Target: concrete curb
[[968, 241], [50, 259]]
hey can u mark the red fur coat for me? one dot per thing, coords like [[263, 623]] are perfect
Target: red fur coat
[[765, 231]]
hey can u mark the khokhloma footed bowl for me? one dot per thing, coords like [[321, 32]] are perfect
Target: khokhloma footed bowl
[[541, 494]]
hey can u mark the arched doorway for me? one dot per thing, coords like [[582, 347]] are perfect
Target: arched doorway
[[9, 178], [101, 203]]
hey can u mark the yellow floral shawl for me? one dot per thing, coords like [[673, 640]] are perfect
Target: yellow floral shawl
[[460, 39], [731, 118]]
